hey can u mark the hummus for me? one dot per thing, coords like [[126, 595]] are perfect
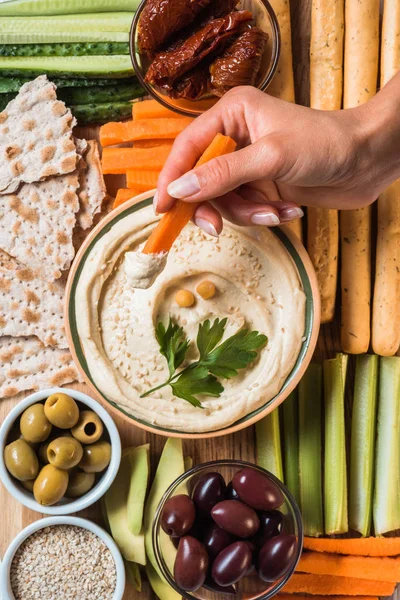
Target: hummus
[[258, 287]]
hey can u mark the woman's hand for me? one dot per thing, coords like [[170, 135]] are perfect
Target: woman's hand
[[287, 155]]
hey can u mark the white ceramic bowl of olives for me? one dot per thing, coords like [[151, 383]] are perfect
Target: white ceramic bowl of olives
[[60, 451]]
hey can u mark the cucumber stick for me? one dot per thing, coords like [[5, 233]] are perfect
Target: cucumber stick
[[268, 440], [101, 94], [101, 113], [30, 8], [78, 66], [335, 485], [13, 84], [115, 21], [363, 443], [290, 418], [65, 49], [58, 37], [310, 450], [386, 509]]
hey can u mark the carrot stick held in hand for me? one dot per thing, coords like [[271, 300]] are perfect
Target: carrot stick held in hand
[[143, 268]]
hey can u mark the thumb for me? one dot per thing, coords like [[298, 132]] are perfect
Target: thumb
[[226, 173]]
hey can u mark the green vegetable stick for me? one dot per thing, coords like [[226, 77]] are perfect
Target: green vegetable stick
[[335, 485], [101, 22], [386, 510], [65, 49], [290, 416], [268, 440], [310, 450], [133, 576], [32, 8], [363, 443]]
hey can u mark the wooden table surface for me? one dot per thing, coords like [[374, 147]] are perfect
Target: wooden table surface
[[241, 445]]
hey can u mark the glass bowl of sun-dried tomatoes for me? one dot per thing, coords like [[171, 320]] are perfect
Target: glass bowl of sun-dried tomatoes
[[188, 54]]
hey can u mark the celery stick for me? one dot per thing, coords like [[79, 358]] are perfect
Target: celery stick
[[30, 8], [335, 485], [268, 440], [113, 21], [386, 510], [290, 416], [310, 450], [363, 443]]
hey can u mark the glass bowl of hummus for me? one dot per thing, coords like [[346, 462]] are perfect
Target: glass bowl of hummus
[[249, 56], [206, 369], [221, 527]]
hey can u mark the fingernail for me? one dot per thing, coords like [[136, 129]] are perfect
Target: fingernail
[[184, 186], [155, 200], [289, 214], [207, 227], [265, 218]]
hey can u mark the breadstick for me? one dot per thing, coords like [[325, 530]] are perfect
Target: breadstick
[[386, 305], [360, 81], [326, 78]]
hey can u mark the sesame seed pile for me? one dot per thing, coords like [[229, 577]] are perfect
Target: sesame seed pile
[[62, 562]]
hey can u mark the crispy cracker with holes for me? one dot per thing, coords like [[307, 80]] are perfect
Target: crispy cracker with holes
[[35, 137], [30, 305], [27, 364], [36, 224], [92, 189]]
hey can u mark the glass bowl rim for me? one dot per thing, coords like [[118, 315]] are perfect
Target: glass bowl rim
[[276, 53], [289, 498]]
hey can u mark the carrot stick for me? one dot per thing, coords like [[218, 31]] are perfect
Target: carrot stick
[[362, 567], [123, 195], [117, 161], [329, 585], [141, 180], [386, 308], [152, 109], [172, 223], [145, 129], [284, 596], [358, 546], [150, 143]]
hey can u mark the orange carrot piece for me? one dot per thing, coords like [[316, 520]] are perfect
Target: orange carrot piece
[[116, 161], [284, 596], [141, 180], [123, 195], [329, 585], [145, 129], [356, 546], [152, 109], [362, 567], [172, 223], [151, 143]]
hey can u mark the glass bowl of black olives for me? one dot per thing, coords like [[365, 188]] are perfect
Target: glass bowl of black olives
[[227, 527]]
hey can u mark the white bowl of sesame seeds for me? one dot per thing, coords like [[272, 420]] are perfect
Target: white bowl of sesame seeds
[[66, 506], [65, 558]]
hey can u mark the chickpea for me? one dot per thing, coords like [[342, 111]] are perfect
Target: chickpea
[[184, 298], [206, 289]]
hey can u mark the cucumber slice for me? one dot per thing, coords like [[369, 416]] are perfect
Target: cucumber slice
[[31, 8], [5, 99], [101, 94], [57, 37], [115, 21], [78, 66], [13, 84], [65, 49], [101, 113]]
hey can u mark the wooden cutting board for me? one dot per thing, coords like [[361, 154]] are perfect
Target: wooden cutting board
[[14, 517]]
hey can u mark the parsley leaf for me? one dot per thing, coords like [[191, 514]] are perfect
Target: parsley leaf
[[196, 381], [237, 352], [173, 344], [209, 336]]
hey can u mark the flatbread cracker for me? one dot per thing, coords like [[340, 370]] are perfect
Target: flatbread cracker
[[30, 305], [36, 224], [92, 189], [26, 364], [36, 139]]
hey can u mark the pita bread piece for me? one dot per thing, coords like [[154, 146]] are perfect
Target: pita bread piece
[[30, 305], [37, 222], [92, 189], [35, 136], [26, 364]]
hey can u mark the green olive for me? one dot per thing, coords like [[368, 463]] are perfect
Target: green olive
[[28, 485], [50, 485], [79, 484], [42, 453], [21, 461], [96, 457], [64, 453], [61, 410], [89, 428], [34, 425]]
